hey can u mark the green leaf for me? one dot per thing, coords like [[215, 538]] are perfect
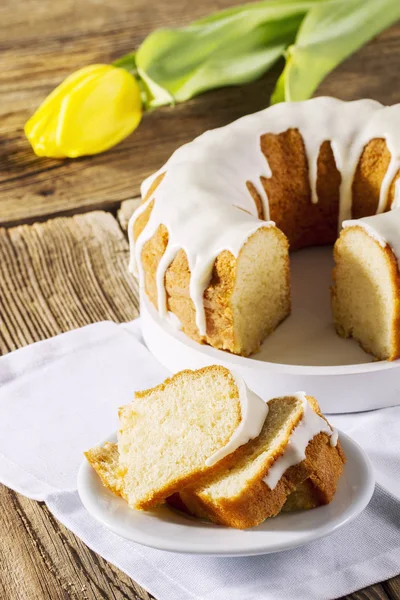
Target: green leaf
[[231, 47], [329, 33]]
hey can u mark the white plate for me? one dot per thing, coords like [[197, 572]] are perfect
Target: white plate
[[304, 353], [167, 529]]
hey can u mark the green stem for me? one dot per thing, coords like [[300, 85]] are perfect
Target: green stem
[[127, 62]]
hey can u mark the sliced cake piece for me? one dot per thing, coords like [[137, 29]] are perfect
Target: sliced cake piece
[[105, 461], [366, 283], [247, 296], [294, 464], [189, 426], [295, 444], [305, 497]]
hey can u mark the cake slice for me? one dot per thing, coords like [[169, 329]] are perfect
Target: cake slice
[[105, 461], [366, 284], [293, 464], [295, 451], [248, 295], [190, 426]]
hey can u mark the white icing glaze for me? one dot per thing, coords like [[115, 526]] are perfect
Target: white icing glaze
[[204, 186], [384, 228], [334, 437], [253, 414], [310, 425], [396, 199], [174, 321]]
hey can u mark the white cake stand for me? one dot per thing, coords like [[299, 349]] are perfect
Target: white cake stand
[[304, 353]]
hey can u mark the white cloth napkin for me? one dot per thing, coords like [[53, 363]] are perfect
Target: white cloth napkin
[[59, 397]]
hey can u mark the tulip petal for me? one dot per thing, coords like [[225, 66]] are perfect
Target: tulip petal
[[41, 134], [40, 129], [99, 113], [67, 85]]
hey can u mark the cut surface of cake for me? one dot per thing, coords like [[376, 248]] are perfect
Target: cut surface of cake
[[297, 450], [177, 432], [209, 242], [305, 497], [366, 288]]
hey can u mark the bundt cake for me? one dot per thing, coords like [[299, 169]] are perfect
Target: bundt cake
[[280, 455], [366, 288], [210, 241]]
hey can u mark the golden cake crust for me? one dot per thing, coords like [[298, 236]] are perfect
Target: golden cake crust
[[104, 460], [196, 477], [289, 194], [257, 502]]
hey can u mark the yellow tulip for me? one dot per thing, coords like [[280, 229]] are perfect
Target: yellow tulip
[[92, 110]]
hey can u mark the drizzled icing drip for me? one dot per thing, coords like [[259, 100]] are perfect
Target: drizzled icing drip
[[199, 222], [310, 425], [174, 321], [203, 200], [384, 228], [334, 438], [253, 414]]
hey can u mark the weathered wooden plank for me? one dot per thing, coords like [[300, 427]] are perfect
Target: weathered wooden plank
[[49, 562], [392, 588], [77, 33], [373, 592], [126, 210], [55, 276], [63, 274]]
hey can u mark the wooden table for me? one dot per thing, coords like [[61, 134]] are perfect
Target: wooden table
[[63, 252]]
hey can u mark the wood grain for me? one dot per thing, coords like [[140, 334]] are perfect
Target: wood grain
[[126, 210], [56, 276], [44, 42], [48, 562], [67, 272], [63, 274], [392, 587]]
